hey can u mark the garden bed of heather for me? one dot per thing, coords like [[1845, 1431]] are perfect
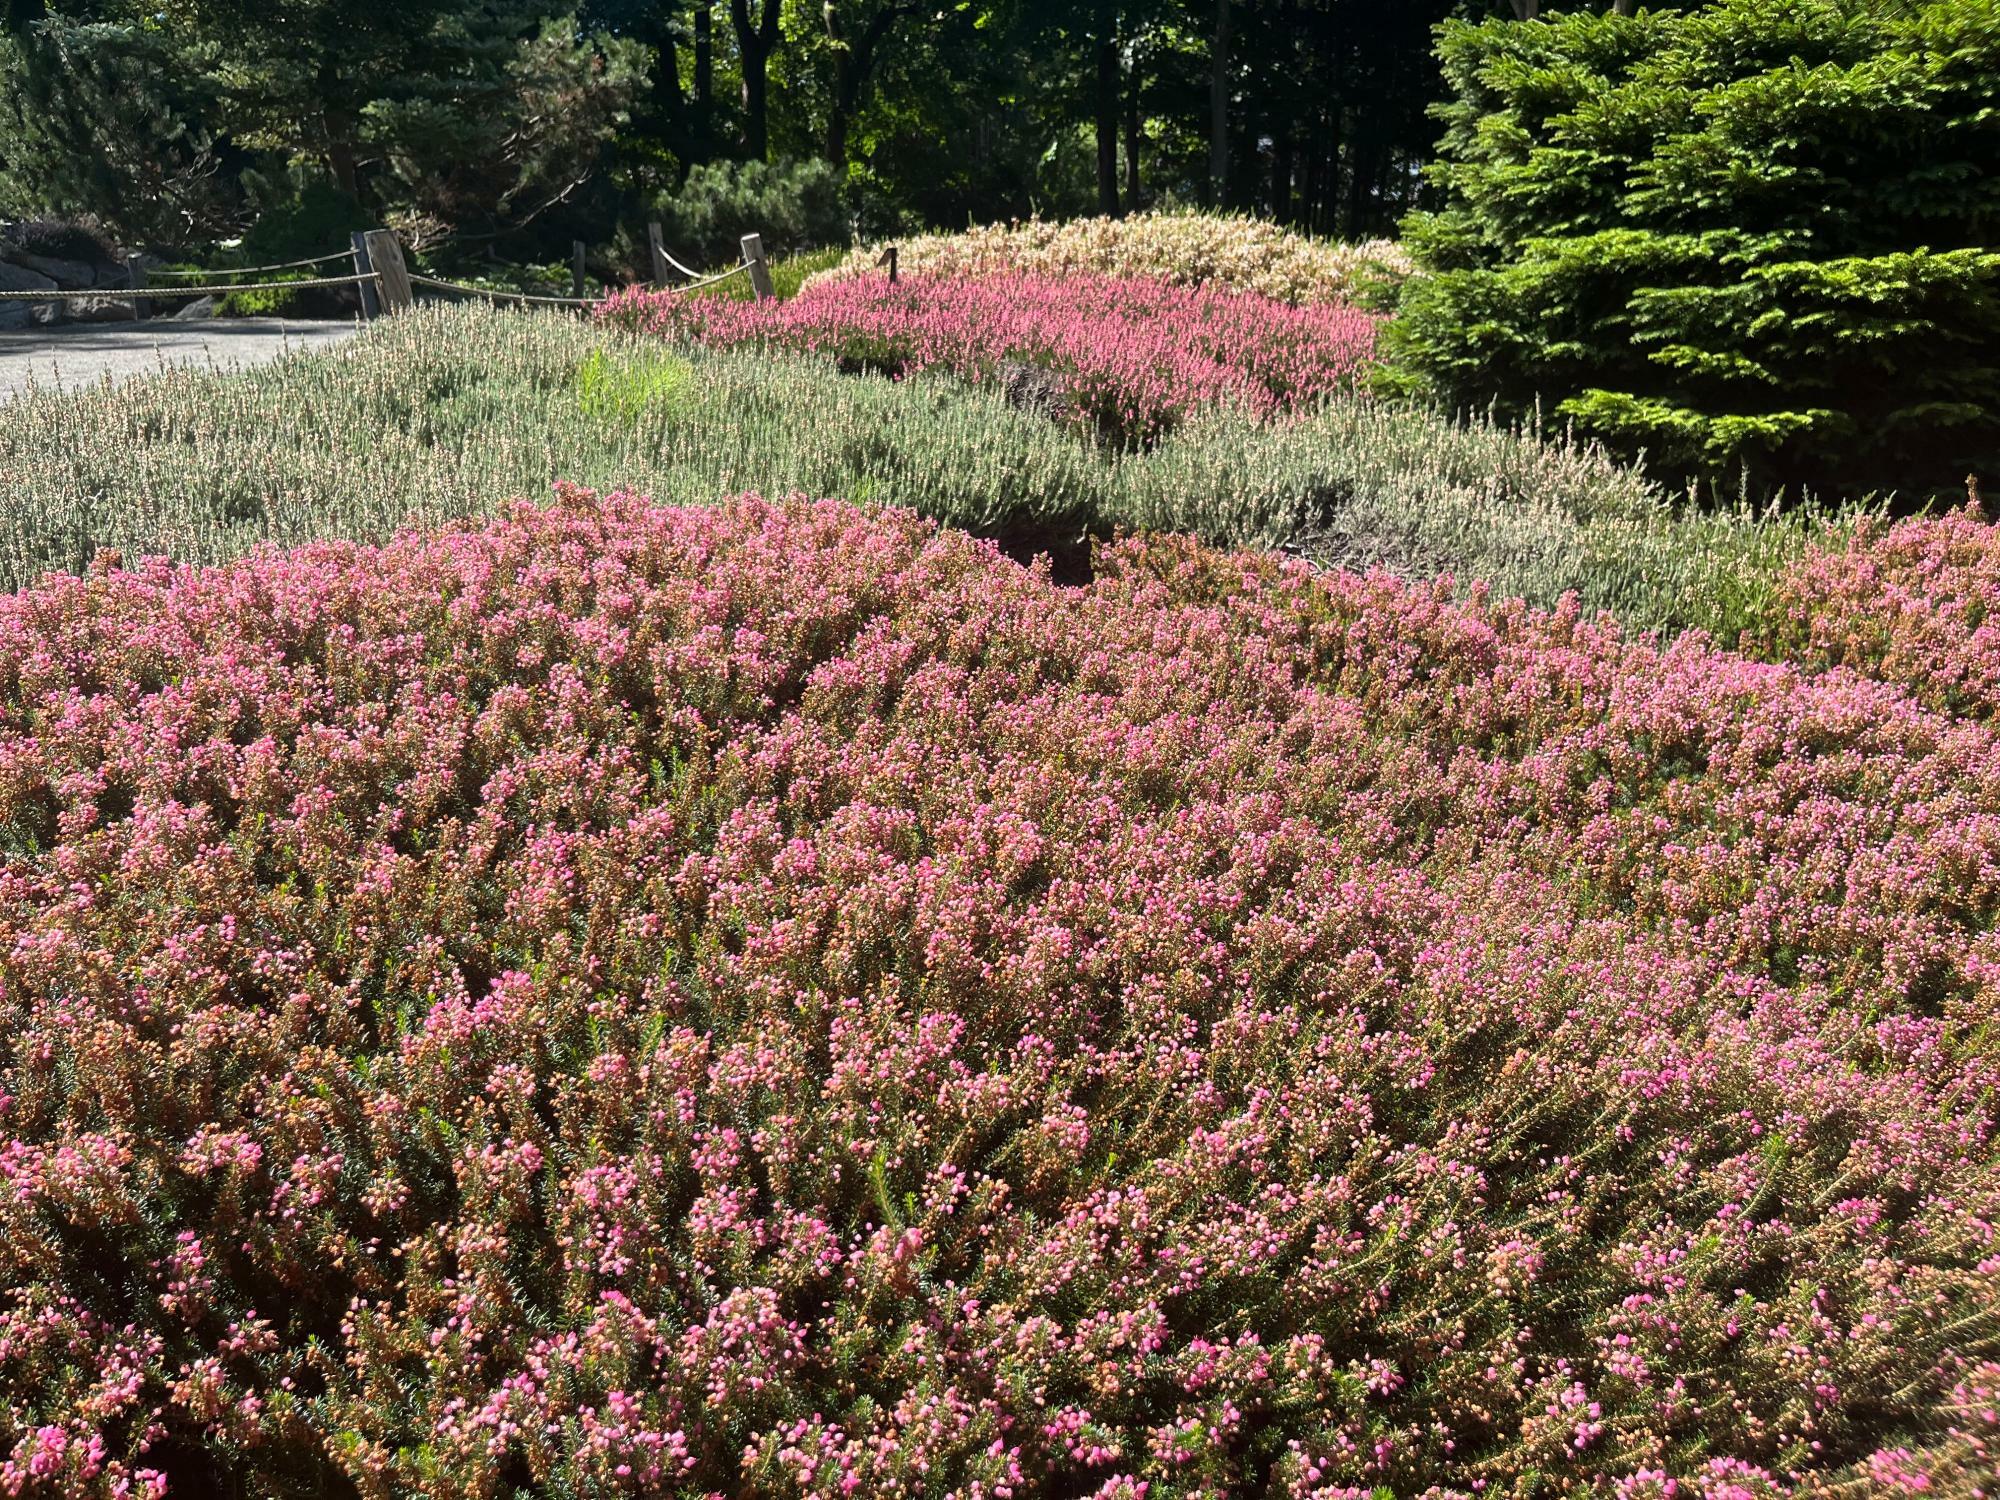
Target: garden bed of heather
[[1917, 604], [451, 411], [1133, 357], [780, 1000], [1185, 248]]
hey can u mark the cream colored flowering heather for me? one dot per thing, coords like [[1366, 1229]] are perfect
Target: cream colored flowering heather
[[1241, 254]]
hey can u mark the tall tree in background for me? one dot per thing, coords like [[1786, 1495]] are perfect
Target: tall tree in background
[[1108, 69], [756, 24], [855, 31], [518, 129], [704, 79], [106, 120], [927, 111], [300, 81], [1218, 106]]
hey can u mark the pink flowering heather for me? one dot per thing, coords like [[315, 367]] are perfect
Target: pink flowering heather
[[1136, 355], [1917, 603], [778, 1001]]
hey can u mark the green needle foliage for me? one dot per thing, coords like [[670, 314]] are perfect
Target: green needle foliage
[[1756, 235]]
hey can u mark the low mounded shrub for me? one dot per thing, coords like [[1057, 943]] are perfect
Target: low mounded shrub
[[795, 206], [63, 239], [299, 214], [777, 1001], [1185, 249], [1916, 604], [1137, 356]]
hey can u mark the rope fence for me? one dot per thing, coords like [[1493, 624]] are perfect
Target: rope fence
[[283, 265], [384, 279], [153, 293], [487, 292]]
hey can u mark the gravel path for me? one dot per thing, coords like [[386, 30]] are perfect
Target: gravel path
[[83, 354]]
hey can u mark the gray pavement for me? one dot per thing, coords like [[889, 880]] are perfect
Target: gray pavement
[[82, 353]]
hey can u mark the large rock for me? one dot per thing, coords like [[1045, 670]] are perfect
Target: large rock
[[18, 313], [1034, 389], [195, 311], [103, 309], [70, 274]]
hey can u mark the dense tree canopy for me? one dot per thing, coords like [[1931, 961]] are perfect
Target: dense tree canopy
[[486, 117]]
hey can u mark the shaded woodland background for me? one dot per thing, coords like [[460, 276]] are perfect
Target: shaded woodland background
[[179, 124]]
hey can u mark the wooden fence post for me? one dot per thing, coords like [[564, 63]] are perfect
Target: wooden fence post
[[371, 305], [888, 258], [385, 257], [760, 272], [576, 269], [135, 278], [658, 246]]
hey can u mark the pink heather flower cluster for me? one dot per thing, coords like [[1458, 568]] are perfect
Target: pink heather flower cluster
[[1136, 355], [777, 1001], [1916, 604]]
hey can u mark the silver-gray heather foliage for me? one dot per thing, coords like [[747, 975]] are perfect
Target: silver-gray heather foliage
[[451, 411]]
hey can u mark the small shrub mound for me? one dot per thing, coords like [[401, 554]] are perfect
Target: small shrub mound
[[794, 205], [1137, 356], [1186, 249], [1916, 604], [777, 1001]]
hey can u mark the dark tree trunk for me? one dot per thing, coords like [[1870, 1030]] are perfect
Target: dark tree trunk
[[755, 42], [756, 109], [1283, 124], [834, 147], [341, 161], [1132, 139], [1364, 179], [1307, 176], [1106, 102], [670, 105], [704, 77], [1281, 171], [337, 127], [1328, 210], [1218, 106], [854, 62]]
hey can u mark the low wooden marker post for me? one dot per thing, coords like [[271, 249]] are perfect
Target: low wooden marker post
[[371, 305], [576, 269], [760, 272], [888, 258], [385, 259], [135, 278], [656, 243]]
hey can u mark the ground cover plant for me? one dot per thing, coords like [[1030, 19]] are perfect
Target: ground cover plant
[[1185, 249], [451, 411], [1917, 604], [774, 1000], [1135, 356]]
